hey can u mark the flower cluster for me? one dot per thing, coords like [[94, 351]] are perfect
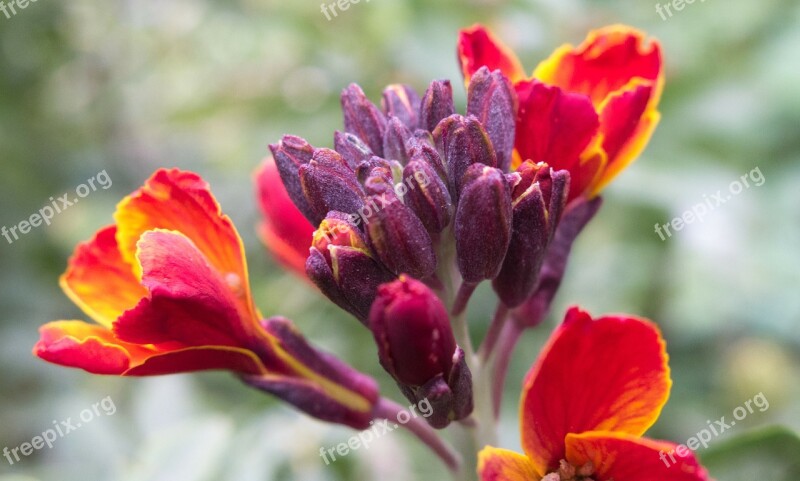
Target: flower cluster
[[397, 224]]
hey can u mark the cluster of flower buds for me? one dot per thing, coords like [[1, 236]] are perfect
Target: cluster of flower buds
[[405, 185]]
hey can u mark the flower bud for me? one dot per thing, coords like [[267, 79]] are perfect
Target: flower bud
[[401, 101], [463, 142], [398, 237], [427, 195], [351, 148], [436, 104], [538, 198], [395, 139], [417, 348], [290, 154], [341, 264], [423, 147], [329, 184], [363, 119], [492, 100], [482, 223]]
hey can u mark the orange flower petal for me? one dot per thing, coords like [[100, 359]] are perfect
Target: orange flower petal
[[285, 231], [606, 61], [86, 346], [181, 201], [477, 47], [609, 374], [496, 464], [189, 301], [623, 457], [627, 123], [99, 281]]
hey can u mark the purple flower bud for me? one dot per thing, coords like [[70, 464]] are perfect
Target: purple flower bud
[[325, 388], [427, 195], [329, 184], [417, 347], [351, 148], [290, 154], [464, 142], [401, 101], [363, 119], [492, 100], [395, 139], [538, 198], [436, 104], [398, 237], [482, 223], [423, 147], [341, 264], [371, 167]]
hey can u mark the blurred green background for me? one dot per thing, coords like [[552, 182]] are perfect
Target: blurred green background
[[130, 86]]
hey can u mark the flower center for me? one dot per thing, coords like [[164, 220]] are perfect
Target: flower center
[[568, 472]]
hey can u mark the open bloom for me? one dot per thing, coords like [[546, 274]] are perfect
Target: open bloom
[[597, 387], [168, 290], [285, 230], [589, 109]]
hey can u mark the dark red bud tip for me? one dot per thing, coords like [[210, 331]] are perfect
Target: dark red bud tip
[[290, 154], [362, 118], [398, 237], [493, 101], [427, 195], [436, 104], [413, 333], [395, 141], [352, 149], [482, 223], [401, 101], [329, 184], [463, 141]]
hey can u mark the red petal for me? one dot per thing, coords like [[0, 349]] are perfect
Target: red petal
[[623, 457], [605, 62], [608, 374], [189, 301], [502, 465], [285, 231], [556, 127], [181, 201], [86, 346], [99, 280], [477, 47], [202, 358]]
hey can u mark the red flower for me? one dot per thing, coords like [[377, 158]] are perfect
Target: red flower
[[285, 230], [597, 387], [168, 290], [589, 109]]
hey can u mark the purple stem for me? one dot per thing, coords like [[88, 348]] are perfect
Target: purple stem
[[462, 298], [389, 410], [495, 328]]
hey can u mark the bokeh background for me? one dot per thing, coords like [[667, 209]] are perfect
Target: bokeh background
[[130, 86]]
